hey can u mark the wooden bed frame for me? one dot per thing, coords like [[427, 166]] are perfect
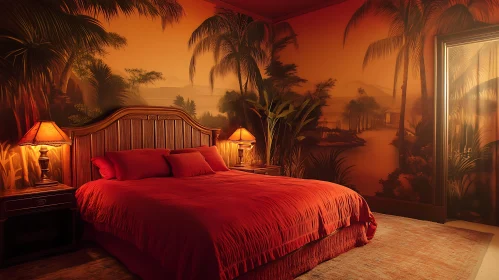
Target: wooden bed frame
[[167, 127], [130, 128]]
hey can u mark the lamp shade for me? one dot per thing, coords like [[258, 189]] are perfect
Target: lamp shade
[[45, 133], [242, 135]]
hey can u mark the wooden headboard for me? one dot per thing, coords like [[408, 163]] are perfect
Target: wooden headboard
[[130, 128]]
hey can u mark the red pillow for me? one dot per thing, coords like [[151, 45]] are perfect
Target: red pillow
[[140, 163], [106, 167], [211, 155], [189, 165]]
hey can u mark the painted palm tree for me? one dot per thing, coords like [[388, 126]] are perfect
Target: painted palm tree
[[236, 42], [240, 45], [110, 89], [82, 52], [36, 37], [406, 23], [187, 105], [282, 78], [370, 108], [450, 16], [232, 104], [45, 29], [353, 111]]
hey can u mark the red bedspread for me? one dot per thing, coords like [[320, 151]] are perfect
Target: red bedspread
[[222, 225]]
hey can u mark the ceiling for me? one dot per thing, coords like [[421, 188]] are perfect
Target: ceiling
[[275, 10]]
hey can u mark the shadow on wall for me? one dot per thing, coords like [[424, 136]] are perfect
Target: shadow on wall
[[19, 166], [228, 151]]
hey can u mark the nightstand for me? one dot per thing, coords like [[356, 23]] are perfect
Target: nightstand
[[272, 170], [36, 222]]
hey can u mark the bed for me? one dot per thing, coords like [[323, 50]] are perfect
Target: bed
[[227, 225]]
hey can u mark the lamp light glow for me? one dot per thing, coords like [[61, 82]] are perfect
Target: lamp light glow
[[41, 134], [244, 139]]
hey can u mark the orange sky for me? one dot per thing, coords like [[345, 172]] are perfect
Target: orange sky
[[151, 48]]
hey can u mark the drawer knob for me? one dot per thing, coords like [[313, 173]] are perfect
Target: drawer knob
[[41, 202]]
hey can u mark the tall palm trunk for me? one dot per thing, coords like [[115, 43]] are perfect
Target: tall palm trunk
[[245, 122], [402, 152], [66, 73], [367, 120]]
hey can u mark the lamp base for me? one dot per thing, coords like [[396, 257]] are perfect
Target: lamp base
[[43, 160], [46, 183]]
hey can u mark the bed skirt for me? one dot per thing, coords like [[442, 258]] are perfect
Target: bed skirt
[[287, 267]]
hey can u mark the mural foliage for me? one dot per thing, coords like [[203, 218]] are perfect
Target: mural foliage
[[357, 89]]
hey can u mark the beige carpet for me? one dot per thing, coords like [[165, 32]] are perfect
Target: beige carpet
[[402, 249], [409, 249]]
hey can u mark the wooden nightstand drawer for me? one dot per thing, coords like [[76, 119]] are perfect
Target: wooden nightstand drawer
[[38, 201], [36, 221]]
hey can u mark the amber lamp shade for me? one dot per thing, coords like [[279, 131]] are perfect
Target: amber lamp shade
[[244, 139], [41, 134]]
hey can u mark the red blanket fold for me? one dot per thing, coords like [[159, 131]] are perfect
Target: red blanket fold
[[222, 225]]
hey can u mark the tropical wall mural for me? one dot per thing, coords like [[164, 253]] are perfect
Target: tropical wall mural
[[379, 118], [343, 94]]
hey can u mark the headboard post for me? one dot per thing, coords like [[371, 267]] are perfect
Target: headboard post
[[130, 128], [214, 136]]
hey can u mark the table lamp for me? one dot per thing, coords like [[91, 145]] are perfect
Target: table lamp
[[41, 134], [245, 140]]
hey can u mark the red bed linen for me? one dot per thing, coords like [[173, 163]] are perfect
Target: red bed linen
[[222, 225]]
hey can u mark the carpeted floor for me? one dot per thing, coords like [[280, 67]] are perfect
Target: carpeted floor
[[409, 249], [402, 249]]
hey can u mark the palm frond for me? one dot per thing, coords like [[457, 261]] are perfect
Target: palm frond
[[359, 15], [226, 65], [386, 10], [210, 26], [204, 45], [455, 18], [110, 89], [382, 48], [168, 10], [398, 67]]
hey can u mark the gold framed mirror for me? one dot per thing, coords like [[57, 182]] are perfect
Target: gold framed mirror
[[467, 125]]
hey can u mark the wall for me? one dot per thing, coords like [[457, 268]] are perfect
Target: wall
[[342, 117], [323, 53], [160, 56], [376, 167]]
